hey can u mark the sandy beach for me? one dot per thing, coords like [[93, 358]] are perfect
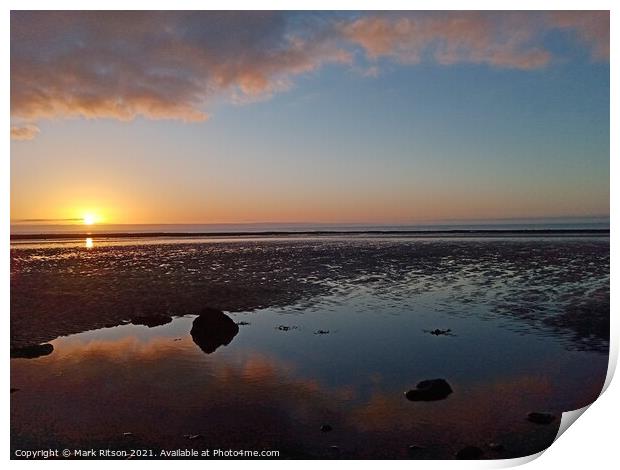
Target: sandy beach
[[560, 283], [317, 341]]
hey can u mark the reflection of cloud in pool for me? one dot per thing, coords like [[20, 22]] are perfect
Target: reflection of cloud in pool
[[161, 389]]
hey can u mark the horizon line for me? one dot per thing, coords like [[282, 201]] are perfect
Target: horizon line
[[345, 223], [412, 233]]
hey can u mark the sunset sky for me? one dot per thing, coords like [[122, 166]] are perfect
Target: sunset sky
[[216, 117]]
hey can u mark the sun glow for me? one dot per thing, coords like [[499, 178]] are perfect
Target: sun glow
[[89, 219]]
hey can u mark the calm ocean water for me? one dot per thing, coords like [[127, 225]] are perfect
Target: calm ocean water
[[523, 224]]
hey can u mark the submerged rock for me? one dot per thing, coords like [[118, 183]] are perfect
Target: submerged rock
[[212, 329], [469, 453], [540, 418], [438, 332], [430, 390], [32, 351], [155, 319]]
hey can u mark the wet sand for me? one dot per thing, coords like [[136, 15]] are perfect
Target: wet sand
[[560, 283]]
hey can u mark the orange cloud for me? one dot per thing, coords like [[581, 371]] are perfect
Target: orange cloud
[[24, 132], [591, 27], [159, 65], [506, 39]]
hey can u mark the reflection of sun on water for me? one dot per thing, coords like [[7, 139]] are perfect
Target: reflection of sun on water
[[89, 243]]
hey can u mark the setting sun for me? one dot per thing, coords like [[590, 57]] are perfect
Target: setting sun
[[89, 219]]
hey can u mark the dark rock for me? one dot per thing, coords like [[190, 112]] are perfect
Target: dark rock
[[32, 351], [212, 329], [326, 428], [156, 319], [438, 332], [470, 453], [540, 418], [430, 390], [321, 332], [243, 323], [285, 328]]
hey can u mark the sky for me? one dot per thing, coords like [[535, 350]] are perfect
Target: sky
[[312, 117]]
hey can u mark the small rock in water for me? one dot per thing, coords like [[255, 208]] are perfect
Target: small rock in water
[[33, 351], [430, 390], [285, 328], [469, 453], [438, 332], [326, 428], [321, 332], [212, 329], [243, 323], [540, 418]]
